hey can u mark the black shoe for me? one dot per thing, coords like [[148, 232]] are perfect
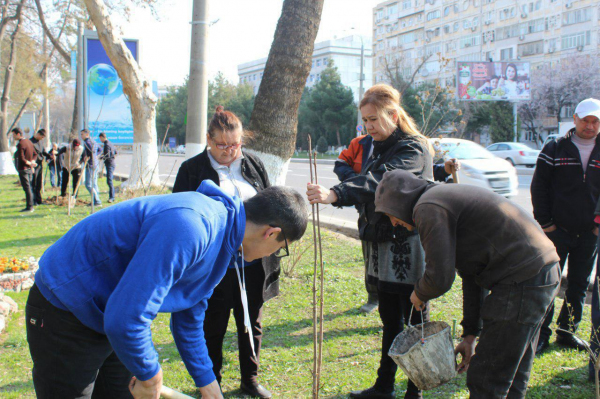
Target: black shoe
[[255, 390], [27, 210], [372, 393], [571, 341], [542, 346]]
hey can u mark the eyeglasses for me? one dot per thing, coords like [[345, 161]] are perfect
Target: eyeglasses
[[228, 146], [283, 251]]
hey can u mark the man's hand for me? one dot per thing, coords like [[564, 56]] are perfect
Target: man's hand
[[550, 229], [318, 194], [419, 304], [451, 165], [467, 349], [595, 231], [149, 389], [211, 391]]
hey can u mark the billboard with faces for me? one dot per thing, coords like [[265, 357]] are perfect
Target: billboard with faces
[[493, 81]]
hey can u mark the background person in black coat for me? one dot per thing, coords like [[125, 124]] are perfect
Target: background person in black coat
[[38, 173], [241, 174]]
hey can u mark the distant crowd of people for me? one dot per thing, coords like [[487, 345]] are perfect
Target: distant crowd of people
[[77, 160]]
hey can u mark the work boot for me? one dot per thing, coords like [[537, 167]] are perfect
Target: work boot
[[372, 393]]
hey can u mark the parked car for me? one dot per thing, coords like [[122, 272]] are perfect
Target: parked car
[[180, 149], [515, 153], [480, 167]]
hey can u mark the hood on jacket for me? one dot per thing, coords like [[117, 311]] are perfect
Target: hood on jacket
[[235, 208], [398, 192]]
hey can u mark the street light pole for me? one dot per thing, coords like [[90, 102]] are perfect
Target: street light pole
[[196, 128]]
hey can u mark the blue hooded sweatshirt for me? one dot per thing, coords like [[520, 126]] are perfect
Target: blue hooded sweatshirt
[[116, 269]]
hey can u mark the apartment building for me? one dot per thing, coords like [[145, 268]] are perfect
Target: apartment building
[[345, 53], [430, 36]]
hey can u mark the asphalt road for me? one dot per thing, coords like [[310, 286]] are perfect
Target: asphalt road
[[297, 177]]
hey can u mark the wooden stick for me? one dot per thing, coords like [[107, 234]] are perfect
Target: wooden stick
[[77, 189], [315, 387], [321, 293]]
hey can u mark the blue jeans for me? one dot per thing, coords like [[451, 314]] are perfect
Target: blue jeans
[[110, 170], [54, 174], [91, 179]]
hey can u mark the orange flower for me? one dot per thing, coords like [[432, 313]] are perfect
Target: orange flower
[[24, 266], [1, 269], [15, 268]]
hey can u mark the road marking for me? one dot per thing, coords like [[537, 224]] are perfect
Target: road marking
[[295, 174]]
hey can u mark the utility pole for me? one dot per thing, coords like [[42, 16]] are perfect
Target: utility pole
[[80, 76], [515, 121], [196, 128]]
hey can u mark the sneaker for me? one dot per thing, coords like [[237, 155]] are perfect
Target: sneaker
[[111, 200]]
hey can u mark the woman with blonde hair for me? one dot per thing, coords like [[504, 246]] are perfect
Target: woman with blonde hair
[[393, 255]]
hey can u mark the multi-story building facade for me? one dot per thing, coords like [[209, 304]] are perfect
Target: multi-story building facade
[[430, 36], [345, 53]]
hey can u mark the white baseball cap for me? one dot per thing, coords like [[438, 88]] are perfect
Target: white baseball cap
[[589, 106]]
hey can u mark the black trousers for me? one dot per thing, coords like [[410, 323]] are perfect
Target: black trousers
[[76, 173], [38, 176], [512, 315], [226, 297], [110, 170], [71, 360], [394, 310], [26, 177], [581, 250]]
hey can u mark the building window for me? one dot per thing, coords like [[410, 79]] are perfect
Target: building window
[[379, 15], [318, 62], [433, 15], [506, 54], [470, 41], [466, 5], [456, 27], [392, 9], [447, 11], [466, 24], [531, 48], [576, 40], [475, 21], [507, 32], [446, 28], [406, 4], [577, 16]]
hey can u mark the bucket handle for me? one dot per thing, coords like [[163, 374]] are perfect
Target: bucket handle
[[422, 324]]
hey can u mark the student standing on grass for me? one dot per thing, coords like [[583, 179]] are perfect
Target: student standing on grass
[[25, 157], [71, 165], [54, 166], [564, 191], [109, 153], [394, 255], [100, 286], [241, 175], [494, 245], [91, 170], [38, 174]]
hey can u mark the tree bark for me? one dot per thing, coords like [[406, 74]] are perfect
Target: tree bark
[[6, 164], [274, 118], [139, 92]]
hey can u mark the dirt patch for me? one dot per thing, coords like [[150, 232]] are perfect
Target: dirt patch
[[62, 201]]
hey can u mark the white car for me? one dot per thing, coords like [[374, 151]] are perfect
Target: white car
[[180, 149], [515, 153], [479, 167]]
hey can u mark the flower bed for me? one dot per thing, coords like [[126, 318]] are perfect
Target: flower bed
[[17, 274]]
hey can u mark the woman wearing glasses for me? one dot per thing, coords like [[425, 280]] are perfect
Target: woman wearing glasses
[[243, 175], [393, 255]]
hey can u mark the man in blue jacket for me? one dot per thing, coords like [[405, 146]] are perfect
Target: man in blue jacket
[[100, 286]]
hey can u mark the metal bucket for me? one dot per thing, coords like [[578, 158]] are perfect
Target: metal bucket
[[425, 353]]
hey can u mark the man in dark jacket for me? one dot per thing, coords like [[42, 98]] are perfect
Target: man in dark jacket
[[108, 155], [25, 157], [564, 192], [494, 245], [262, 280], [38, 174]]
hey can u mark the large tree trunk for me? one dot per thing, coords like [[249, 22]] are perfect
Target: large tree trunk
[[7, 166], [274, 118], [139, 92]]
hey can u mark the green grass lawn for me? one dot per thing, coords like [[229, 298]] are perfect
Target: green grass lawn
[[352, 340]]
